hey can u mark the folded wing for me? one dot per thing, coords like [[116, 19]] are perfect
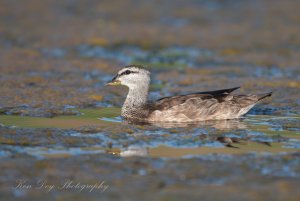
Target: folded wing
[[215, 96]]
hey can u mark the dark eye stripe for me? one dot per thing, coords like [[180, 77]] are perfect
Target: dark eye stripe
[[127, 72]]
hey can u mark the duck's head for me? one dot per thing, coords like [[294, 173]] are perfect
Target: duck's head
[[131, 76]]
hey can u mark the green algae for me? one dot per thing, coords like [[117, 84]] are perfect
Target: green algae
[[98, 113], [88, 116]]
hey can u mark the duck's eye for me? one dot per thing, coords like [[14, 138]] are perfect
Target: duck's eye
[[127, 72]]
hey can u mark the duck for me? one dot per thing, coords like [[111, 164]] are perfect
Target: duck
[[193, 107]]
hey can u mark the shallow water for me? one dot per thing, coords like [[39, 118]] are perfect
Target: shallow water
[[254, 133], [215, 155]]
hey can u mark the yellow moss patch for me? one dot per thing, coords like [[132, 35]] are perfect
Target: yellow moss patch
[[98, 41], [229, 52], [294, 84], [280, 83], [96, 97]]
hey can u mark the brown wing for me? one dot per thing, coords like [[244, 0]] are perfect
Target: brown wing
[[168, 102], [218, 92]]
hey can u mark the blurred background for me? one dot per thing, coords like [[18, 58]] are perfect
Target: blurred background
[[61, 53], [56, 56]]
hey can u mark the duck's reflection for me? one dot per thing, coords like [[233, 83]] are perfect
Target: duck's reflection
[[130, 151], [232, 124], [227, 139], [143, 151], [134, 151]]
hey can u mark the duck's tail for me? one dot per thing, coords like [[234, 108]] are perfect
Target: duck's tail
[[262, 96]]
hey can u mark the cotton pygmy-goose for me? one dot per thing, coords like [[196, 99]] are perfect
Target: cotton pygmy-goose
[[194, 107]]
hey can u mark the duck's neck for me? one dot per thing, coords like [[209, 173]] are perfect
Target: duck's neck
[[136, 99]]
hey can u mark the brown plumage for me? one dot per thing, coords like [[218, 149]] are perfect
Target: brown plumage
[[201, 106]]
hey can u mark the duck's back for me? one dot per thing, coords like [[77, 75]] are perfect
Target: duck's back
[[202, 106]]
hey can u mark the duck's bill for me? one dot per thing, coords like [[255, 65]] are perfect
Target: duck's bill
[[113, 83]]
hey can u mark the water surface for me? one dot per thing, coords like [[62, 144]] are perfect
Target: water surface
[[58, 122]]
